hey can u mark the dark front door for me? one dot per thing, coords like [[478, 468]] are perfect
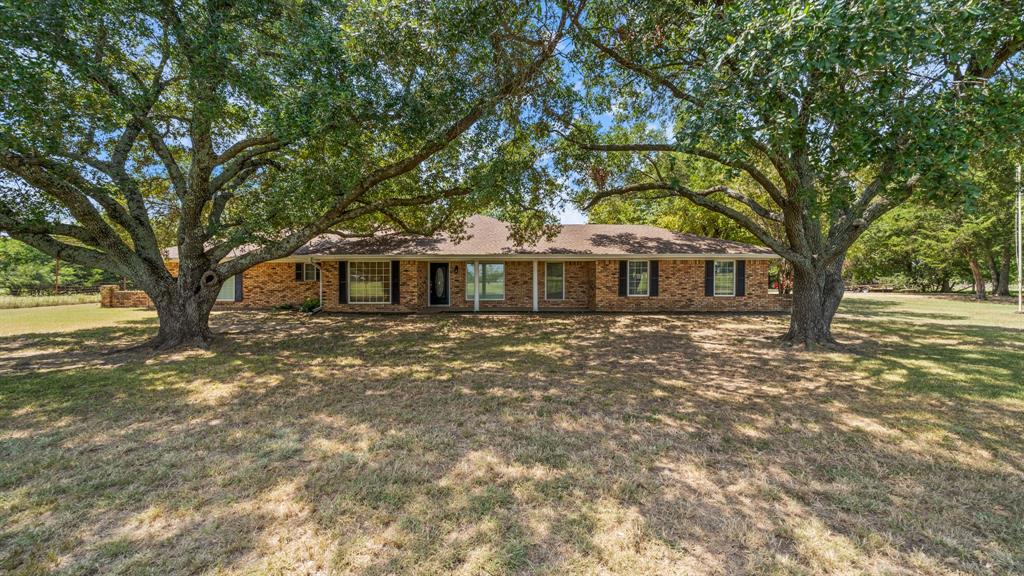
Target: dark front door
[[437, 277]]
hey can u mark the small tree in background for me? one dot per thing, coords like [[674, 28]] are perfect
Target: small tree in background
[[905, 249], [928, 245], [248, 127]]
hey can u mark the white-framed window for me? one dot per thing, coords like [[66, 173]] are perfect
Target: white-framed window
[[310, 272], [227, 290], [725, 277], [492, 281], [554, 280], [638, 275], [369, 282]]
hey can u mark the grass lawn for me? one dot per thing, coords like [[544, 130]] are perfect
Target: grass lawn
[[71, 318], [505, 444]]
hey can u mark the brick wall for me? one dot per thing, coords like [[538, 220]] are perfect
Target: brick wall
[[681, 288], [273, 284], [263, 286], [111, 296], [588, 286], [579, 287]]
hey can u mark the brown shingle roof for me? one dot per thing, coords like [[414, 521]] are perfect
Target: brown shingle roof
[[486, 236]]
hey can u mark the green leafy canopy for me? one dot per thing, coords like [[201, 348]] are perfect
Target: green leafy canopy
[[828, 100], [263, 123]]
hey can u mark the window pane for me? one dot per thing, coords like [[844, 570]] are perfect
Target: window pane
[[227, 289], [637, 278], [369, 282], [725, 284], [554, 281], [492, 281], [310, 272]]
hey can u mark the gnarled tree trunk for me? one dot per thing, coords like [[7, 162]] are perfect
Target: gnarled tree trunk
[[183, 305], [817, 293], [184, 320]]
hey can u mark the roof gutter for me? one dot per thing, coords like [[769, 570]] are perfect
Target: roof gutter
[[547, 256], [526, 257]]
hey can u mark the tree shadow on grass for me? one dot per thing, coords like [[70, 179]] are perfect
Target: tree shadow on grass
[[872, 309], [965, 361], [510, 444]]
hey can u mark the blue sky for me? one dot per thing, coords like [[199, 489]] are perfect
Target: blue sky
[[570, 215]]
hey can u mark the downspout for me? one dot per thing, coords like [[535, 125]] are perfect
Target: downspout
[[535, 299]]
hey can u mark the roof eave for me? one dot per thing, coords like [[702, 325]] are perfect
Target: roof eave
[[527, 257]]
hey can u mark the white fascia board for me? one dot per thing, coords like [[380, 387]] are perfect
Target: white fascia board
[[542, 257], [526, 257]]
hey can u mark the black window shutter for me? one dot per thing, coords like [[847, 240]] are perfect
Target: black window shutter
[[709, 277], [622, 277], [653, 282], [741, 277], [396, 281], [238, 287], [298, 271], [342, 282]]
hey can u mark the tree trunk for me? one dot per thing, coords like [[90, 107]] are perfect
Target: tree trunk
[[817, 293], [993, 271], [183, 305], [184, 319], [1004, 275], [945, 285], [979, 278]]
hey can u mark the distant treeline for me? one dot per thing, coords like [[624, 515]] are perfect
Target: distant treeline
[[27, 271]]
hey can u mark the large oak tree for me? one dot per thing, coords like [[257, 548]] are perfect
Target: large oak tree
[[251, 126], [822, 115]]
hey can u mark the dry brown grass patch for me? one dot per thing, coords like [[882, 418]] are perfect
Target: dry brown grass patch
[[514, 444]]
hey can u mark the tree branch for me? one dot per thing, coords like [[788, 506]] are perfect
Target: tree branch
[[242, 145], [242, 161], [701, 198], [32, 171], [983, 71], [760, 177], [648, 74]]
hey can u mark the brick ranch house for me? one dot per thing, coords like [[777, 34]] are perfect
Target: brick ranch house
[[585, 267]]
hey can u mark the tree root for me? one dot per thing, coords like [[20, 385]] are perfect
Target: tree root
[[827, 342]]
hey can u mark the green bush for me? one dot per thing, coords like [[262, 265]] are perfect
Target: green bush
[[310, 304]]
